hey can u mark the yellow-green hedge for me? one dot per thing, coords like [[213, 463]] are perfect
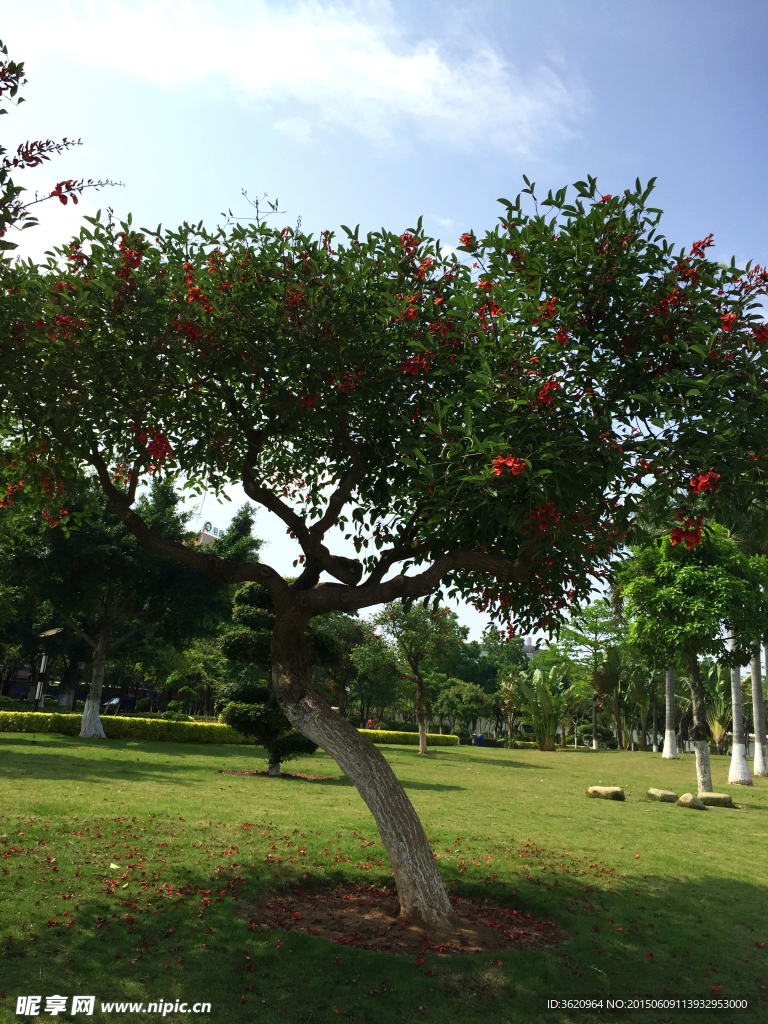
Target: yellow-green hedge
[[117, 728], [434, 739]]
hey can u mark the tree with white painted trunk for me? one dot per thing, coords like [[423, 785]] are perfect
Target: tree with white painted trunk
[[104, 587], [681, 599], [739, 773], [474, 421], [669, 749], [760, 763]]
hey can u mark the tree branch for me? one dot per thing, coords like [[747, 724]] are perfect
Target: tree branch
[[330, 596], [337, 501], [319, 558], [76, 629], [215, 566]]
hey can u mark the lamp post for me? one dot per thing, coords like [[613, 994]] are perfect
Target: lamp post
[[40, 693]]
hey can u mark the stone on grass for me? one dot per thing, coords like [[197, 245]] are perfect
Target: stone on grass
[[716, 799], [606, 792], [665, 795], [689, 800]]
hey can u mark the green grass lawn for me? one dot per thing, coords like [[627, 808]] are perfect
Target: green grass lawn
[[688, 917]]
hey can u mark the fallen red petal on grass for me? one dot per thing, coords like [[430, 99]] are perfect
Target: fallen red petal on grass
[[759, 945], [637, 856]]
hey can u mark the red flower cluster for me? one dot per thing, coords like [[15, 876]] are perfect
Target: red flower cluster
[[468, 240], [546, 514], [727, 320], [515, 465], [192, 331], [760, 333], [549, 308], [410, 243], [154, 441], [698, 248], [689, 533], [546, 394], [704, 482], [562, 336], [194, 294], [417, 364], [487, 286]]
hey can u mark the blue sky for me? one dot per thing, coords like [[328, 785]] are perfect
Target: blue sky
[[378, 112]]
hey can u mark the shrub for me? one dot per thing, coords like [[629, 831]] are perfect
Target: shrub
[[119, 728], [175, 716], [145, 704]]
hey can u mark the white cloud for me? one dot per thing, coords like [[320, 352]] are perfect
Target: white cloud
[[297, 128], [315, 65]]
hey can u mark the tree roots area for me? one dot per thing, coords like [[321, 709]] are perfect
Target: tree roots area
[[367, 916]]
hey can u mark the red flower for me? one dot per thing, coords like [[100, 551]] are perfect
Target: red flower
[[515, 465], [603, 200], [698, 247], [727, 320], [485, 285], [562, 336], [760, 333], [417, 364], [689, 533], [546, 395], [704, 482], [468, 240]]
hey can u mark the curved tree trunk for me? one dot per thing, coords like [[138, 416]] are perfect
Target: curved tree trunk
[[670, 740], [420, 712], [91, 723], [698, 732], [595, 742], [739, 774], [423, 899], [760, 763]]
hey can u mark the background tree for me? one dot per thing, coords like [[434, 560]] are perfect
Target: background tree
[[412, 634], [683, 600], [447, 407], [252, 710], [105, 586]]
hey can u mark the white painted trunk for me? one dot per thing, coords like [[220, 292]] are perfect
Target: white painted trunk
[[420, 695], [760, 763], [595, 743], [703, 773], [273, 768], [670, 740], [91, 723], [739, 774], [422, 736]]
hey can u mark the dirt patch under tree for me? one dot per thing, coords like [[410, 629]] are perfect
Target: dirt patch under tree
[[366, 916]]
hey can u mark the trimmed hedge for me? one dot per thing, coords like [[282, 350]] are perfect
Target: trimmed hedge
[[434, 739], [117, 728]]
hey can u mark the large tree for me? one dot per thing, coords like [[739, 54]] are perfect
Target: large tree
[[475, 422]]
